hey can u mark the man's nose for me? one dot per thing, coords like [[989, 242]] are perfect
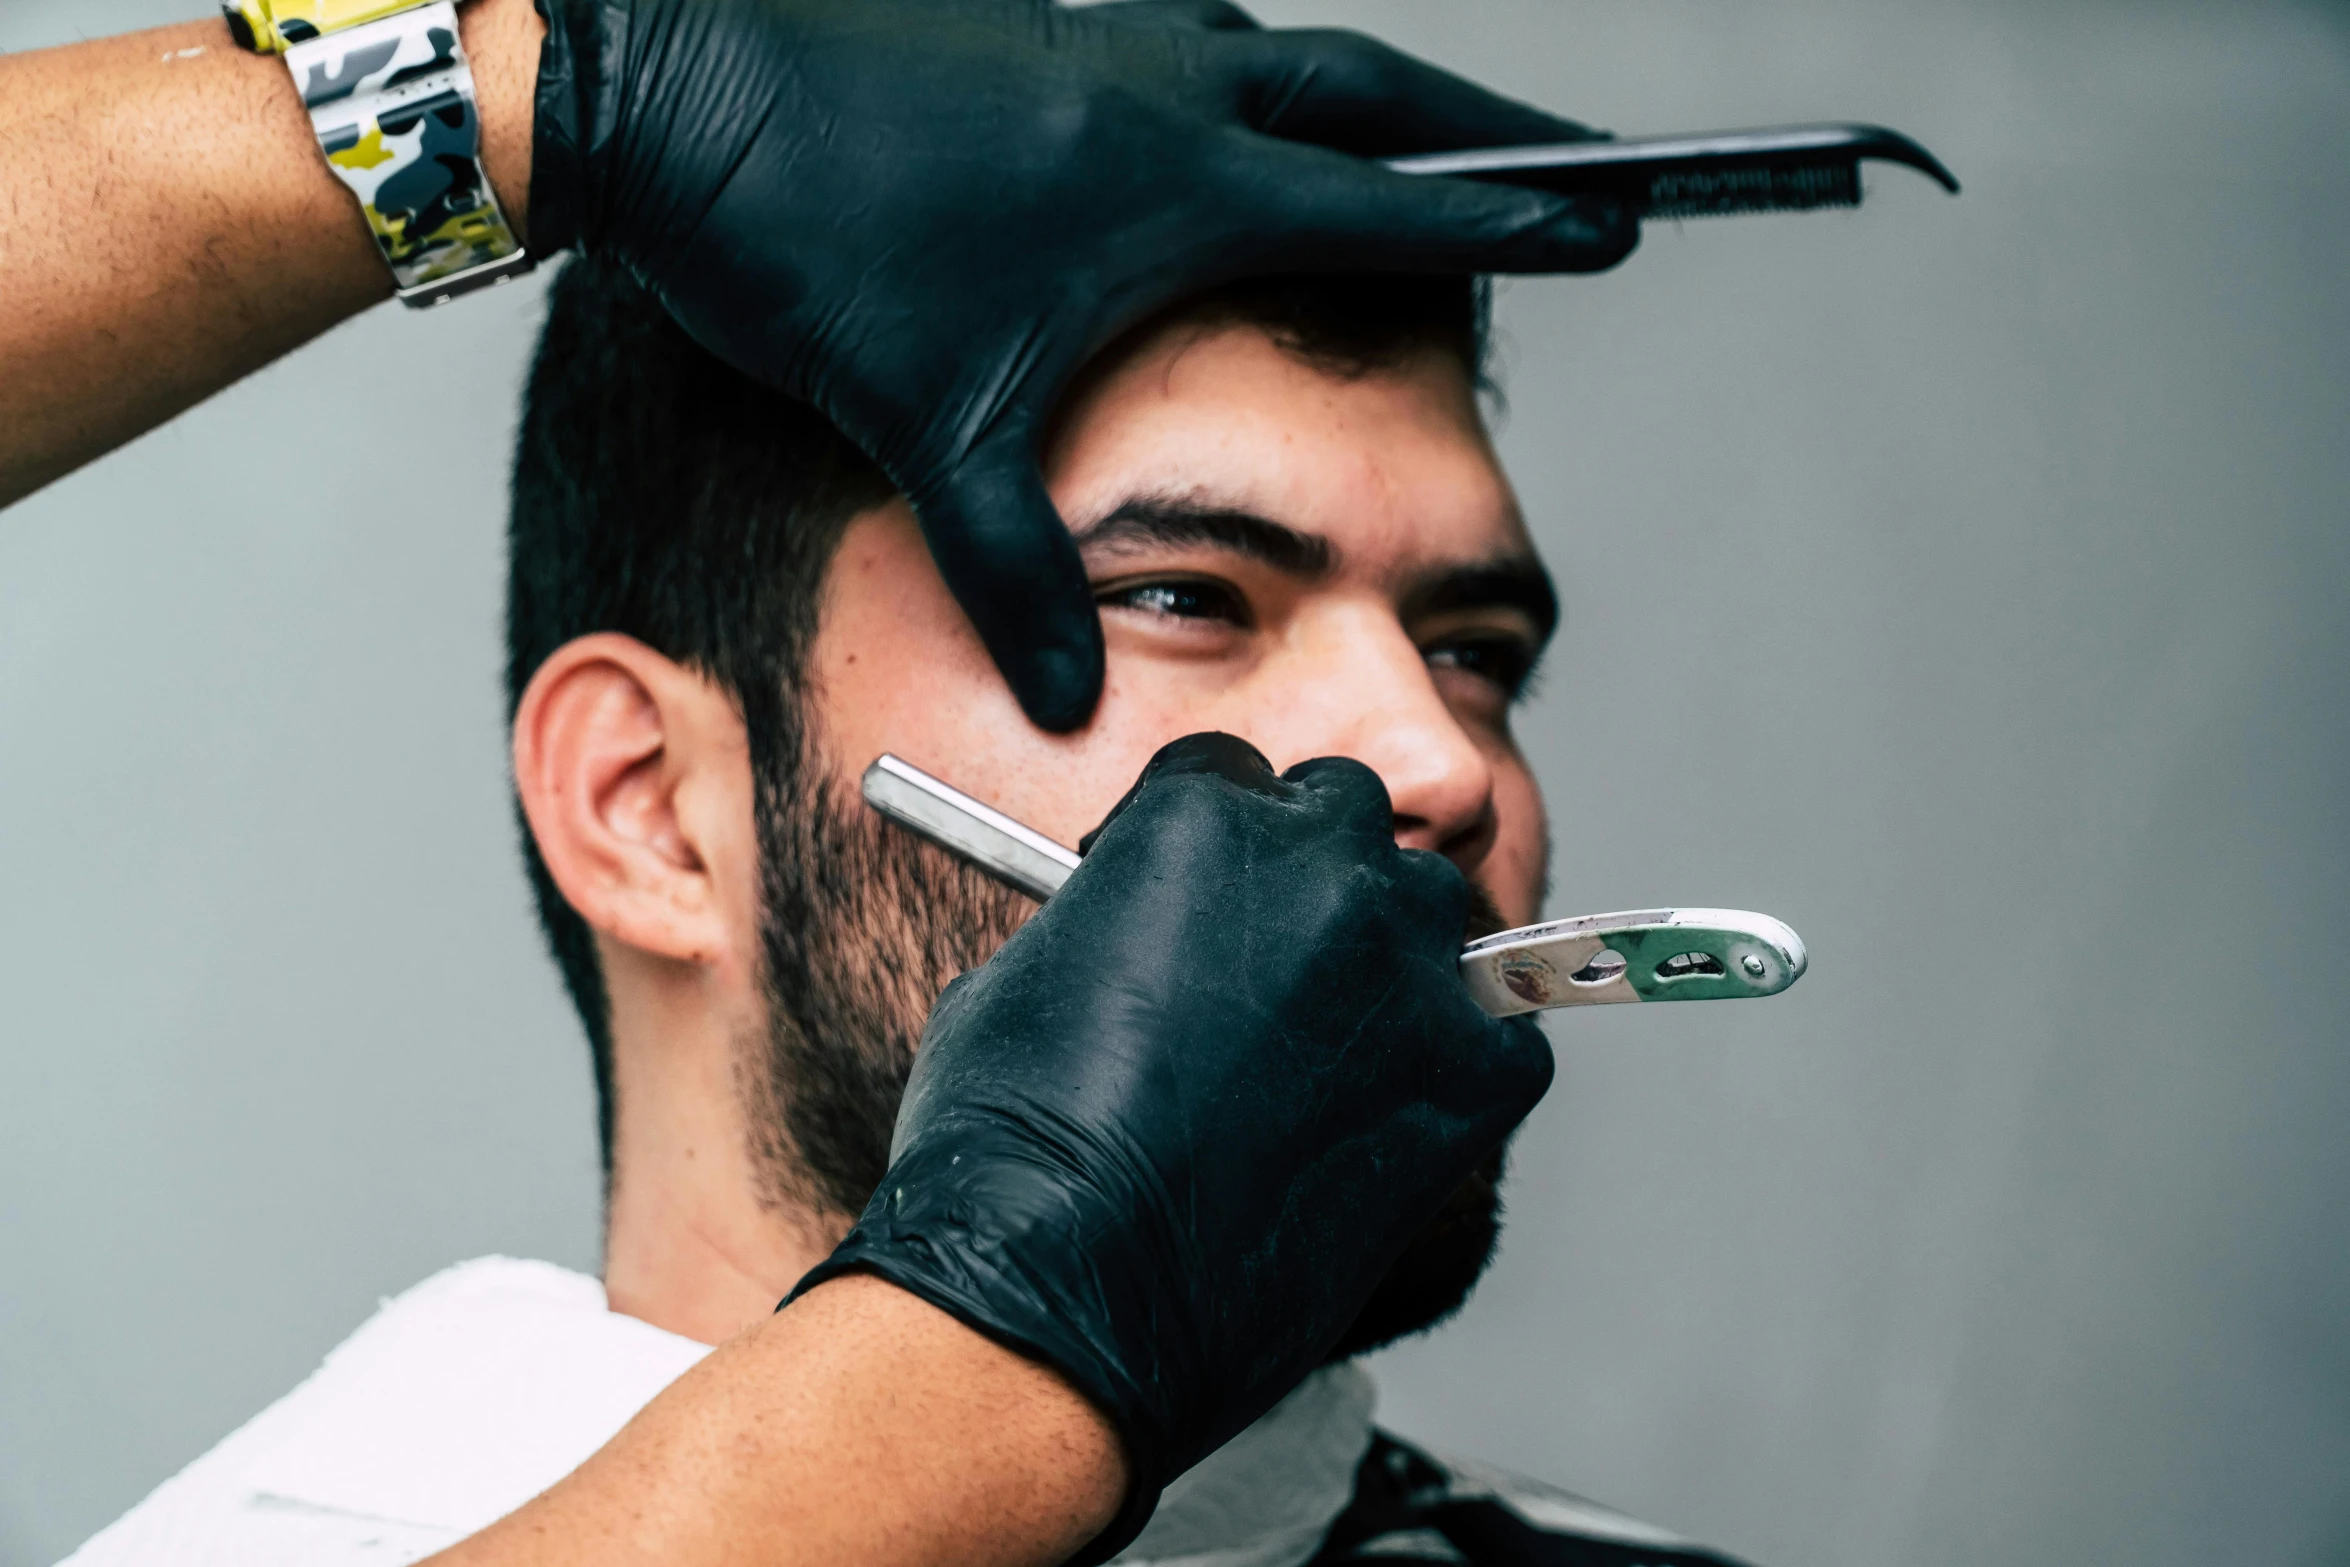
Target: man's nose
[[1374, 700]]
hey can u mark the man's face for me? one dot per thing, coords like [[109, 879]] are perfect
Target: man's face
[[1323, 565]]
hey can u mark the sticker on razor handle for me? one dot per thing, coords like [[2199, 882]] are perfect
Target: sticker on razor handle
[[1638, 955]]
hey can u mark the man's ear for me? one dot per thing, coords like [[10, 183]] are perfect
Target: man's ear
[[635, 779]]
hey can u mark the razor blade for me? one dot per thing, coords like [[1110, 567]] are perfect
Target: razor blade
[[1590, 960]]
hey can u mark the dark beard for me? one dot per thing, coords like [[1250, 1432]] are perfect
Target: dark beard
[[863, 926]]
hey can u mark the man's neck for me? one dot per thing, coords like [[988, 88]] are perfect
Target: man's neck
[[682, 1263], [689, 1243]]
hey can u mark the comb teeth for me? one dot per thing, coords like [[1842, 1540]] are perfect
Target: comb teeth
[[1789, 188]]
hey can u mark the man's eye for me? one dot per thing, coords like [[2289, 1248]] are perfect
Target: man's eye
[[1505, 661], [1183, 599]]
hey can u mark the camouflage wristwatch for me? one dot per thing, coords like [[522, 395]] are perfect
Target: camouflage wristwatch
[[391, 100]]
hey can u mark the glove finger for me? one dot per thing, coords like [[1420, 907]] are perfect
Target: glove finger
[[1322, 211], [1348, 791], [1490, 1074], [1432, 899], [1210, 753], [1518, 1068], [1212, 16], [1349, 91], [1213, 753], [1007, 557]]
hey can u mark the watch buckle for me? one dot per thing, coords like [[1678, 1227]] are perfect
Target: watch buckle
[[423, 296]]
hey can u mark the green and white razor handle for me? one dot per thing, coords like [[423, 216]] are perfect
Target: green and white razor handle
[[1642, 955], [1591, 960]]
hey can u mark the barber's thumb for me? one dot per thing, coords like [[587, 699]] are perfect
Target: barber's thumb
[[1436, 223], [1482, 225], [1213, 16], [1007, 557], [1211, 753]]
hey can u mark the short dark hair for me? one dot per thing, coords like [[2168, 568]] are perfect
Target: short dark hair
[[660, 494]]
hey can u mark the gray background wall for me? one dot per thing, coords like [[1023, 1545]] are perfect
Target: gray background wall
[[1961, 580]]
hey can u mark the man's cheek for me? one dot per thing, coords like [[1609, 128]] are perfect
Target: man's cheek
[[1137, 716], [1517, 868]]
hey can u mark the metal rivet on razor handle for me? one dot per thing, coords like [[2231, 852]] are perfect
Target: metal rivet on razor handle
[[1590, 960]]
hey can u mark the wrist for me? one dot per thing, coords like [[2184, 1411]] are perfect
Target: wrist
[[1019, 1437], [954, 1448], [558, 139], [957, 1228], [396, 107], [502, 40]]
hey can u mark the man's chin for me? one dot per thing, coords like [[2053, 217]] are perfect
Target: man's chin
[[1438, 1269], [1441, 1266]]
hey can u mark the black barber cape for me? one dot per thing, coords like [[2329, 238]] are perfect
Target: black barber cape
[[1412, 1510]]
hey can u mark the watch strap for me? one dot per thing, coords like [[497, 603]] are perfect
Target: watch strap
[[273, 26], [392, 103]]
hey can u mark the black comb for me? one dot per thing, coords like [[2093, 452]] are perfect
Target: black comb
[[1794, 168]]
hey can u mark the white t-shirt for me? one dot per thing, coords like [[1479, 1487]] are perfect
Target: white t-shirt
[[487, 1383]]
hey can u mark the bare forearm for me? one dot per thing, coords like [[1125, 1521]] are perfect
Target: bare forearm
[[860, 1428], [168, 226]]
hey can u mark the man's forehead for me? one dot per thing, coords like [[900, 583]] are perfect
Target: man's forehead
[[1229, 419]]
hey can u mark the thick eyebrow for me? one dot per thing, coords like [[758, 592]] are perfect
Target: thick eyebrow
[[1167, 520], [1516, 582]]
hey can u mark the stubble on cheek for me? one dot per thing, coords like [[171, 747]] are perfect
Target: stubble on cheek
[[862, 926]]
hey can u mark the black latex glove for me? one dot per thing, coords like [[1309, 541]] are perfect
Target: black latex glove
[[1169, 1138], [922, 216]]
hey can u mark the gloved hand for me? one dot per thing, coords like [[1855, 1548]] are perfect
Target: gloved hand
[[1169, 1138], [923, 216]]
